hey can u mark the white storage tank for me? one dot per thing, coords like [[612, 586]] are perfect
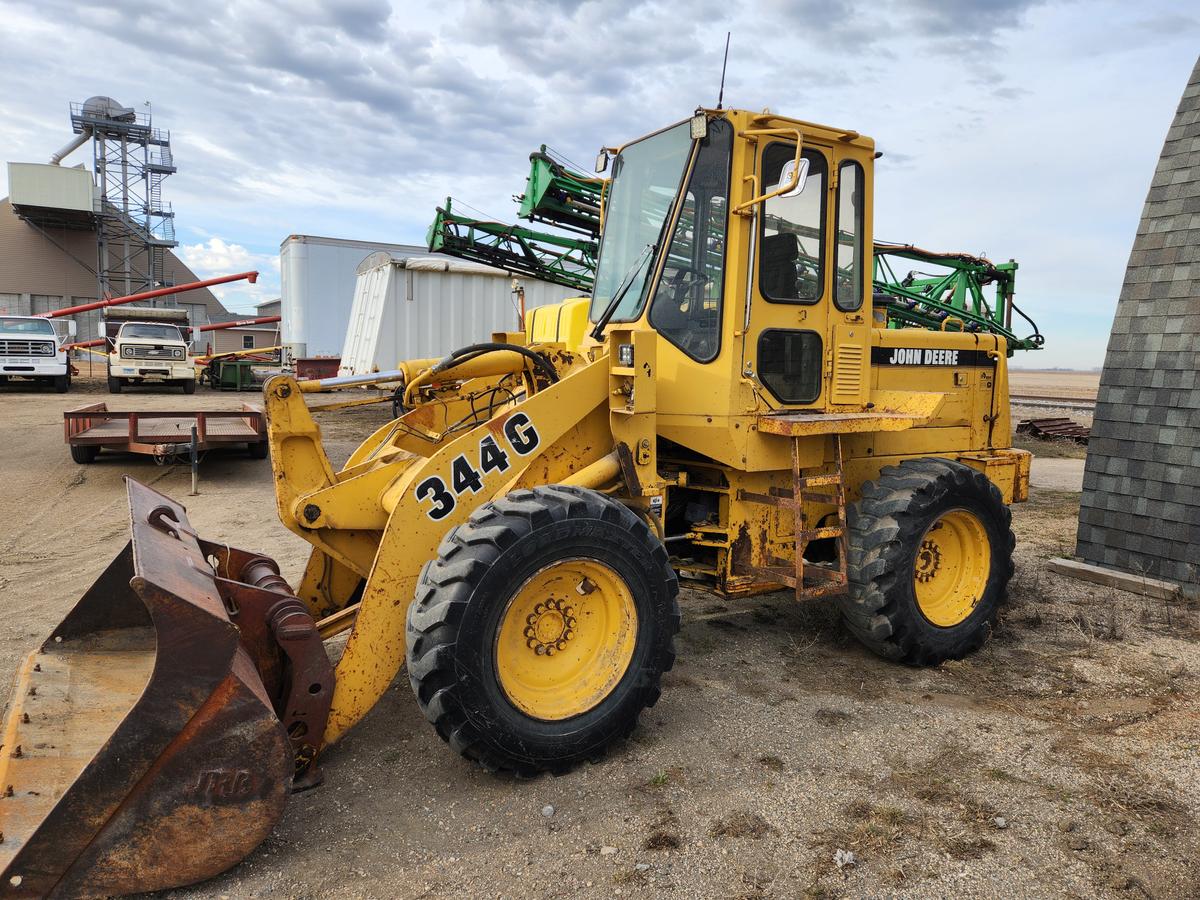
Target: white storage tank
[[420, 307]]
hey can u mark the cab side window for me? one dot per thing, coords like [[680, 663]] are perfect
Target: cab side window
[[848, 277], [792, 236]]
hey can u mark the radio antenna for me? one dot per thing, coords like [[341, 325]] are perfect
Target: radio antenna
[[721, 95]]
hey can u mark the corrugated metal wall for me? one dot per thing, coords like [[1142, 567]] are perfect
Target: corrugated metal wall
[[430, 309]]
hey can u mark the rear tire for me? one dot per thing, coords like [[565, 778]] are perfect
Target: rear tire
[[114, 385], [258, 449], [930, 557], [84, 453], [497, 685]]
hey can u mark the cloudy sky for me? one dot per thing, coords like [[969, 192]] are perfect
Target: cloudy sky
[[1011, 128]]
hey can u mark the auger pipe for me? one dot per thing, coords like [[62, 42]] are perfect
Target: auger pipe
[[252, 277], [241, 323]]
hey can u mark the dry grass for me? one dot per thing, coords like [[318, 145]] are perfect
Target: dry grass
[[1052, 448], [741, 823]]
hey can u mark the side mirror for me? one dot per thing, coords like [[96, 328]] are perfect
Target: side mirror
[[786, 176], [71, 328], [602, 161], [101, 331]]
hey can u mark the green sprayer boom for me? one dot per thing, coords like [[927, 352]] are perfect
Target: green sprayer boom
[[955, 298]]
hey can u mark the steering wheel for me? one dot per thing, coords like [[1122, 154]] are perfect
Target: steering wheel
[[679, 284], [685, 278]]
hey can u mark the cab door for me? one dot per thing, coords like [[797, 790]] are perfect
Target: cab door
[[807, 339]]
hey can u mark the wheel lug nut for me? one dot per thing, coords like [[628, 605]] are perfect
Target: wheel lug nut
[[539, 649], [531, 643], [530, 633], [531, 619]]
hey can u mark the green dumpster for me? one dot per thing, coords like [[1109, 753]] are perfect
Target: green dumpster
[[233, 375]]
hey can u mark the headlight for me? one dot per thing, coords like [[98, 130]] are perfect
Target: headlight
[[47, 350], [178, 354], [127, 351]]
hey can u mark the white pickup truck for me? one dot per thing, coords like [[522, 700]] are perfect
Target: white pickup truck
[[30, 348], [148, 345]]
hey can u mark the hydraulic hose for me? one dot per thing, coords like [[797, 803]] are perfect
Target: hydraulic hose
[[475, 350]]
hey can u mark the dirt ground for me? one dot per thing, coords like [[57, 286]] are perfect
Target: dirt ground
[[782, 761]]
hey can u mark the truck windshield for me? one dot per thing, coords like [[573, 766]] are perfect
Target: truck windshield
[[12, 325], [151, 332], [645, 181]]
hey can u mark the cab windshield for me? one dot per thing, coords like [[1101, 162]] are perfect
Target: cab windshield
[[645, 180], [151, 332], [10, 325]]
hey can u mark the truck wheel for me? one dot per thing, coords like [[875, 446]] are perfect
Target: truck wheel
[[114, 385], [930, 547], [84, 453], [189, 385], [62, 383], [542, 629], [258, 449]]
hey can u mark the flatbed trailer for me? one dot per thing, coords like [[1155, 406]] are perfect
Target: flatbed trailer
[[162, 433]]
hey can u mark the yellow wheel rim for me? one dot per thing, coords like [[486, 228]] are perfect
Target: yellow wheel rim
[[565, 639], [951, 569]]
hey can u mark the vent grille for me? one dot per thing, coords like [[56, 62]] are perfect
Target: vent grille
[[139, 352], [848, 374], [26, 348]]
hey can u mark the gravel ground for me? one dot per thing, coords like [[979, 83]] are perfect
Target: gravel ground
[[782, 760]]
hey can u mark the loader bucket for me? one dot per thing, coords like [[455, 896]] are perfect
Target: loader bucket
[[141, 749]]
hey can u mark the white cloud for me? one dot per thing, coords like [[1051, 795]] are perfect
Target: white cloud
[[215, 257]]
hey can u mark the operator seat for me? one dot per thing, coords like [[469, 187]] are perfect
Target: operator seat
[[778, 273]]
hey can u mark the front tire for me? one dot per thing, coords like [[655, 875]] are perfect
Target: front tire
[[189, 385], [114, 385], [542, 629], [62, 383], [929, 563]]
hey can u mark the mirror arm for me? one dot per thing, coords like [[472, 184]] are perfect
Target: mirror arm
[[744, 209]]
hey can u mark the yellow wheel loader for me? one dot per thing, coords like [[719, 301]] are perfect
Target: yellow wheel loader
[[730, 407]]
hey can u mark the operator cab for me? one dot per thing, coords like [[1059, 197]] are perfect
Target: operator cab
[[719, 236]]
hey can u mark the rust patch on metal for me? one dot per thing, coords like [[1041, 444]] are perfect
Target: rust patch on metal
[[629, 469], [740, 550]]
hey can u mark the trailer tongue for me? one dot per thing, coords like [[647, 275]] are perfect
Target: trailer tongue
[[152, 740]]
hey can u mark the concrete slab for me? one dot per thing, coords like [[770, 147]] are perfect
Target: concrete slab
[[1057, 474]]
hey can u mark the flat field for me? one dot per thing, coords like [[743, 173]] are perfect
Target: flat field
[[783, 760], [1054, 383]]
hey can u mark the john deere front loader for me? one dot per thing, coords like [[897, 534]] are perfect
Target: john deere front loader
[[729, 407]]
